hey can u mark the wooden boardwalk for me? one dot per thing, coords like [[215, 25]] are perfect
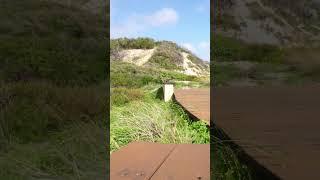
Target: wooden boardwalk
[[279, 127], [144, 161], [195, 101]]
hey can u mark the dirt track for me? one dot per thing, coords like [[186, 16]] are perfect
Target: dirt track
[[279, 127]]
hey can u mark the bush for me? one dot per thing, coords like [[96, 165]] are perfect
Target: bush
[[163, 61], [33, 110], [128, 75], [167, 56], [138, 43], [78, 151], [34, 46], [121, 96], [153, 121]]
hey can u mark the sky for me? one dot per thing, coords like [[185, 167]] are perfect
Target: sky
[[186, 22]]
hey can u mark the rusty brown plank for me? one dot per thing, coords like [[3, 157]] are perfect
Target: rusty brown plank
[[277, 126], [187, 161], [196, 101], [138, 160]]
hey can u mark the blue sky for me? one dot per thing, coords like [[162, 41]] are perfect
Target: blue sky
[[186, 22]]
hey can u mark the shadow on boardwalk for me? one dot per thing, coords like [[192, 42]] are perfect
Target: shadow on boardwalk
[[258, 171]]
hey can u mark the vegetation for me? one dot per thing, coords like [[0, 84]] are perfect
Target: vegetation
[[231, 49], [167, 54], [128, 75], [266, 64], [225, 163], [261, 64], [304, 11], [151, 120], [138, 43], [139, 114], [52, 132], [52, 91]]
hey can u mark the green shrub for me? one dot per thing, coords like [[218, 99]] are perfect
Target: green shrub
[[121, 96], [226, 163], [138, 43], [128, 75], [162, 61], [33, 110], [167, 56], [153, 121], [34, 46], [52, 106], [74, 153]]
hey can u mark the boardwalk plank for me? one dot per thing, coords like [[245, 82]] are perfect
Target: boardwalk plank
[[195, 101], [187, 161], [278, 127], [138, 160], [144, 161]]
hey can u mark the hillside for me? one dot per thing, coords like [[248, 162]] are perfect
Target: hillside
[[283, 22], [260, 42], [52, 90], [45, 40], [160, 54]]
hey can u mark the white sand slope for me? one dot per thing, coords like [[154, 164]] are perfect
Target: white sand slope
[[140, 57], [189, 67], [137, 56]]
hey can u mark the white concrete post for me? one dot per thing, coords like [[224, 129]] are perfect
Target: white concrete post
[[167, 91]]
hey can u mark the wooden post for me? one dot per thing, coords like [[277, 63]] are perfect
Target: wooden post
[[168, 91]]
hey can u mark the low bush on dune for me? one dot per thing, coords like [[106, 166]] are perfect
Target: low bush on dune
[[121, 96], [132, 76]]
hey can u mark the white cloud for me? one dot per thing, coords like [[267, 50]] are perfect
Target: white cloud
[[189, 46], [138, 23], [165, 16]]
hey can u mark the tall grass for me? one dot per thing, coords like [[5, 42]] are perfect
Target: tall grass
[[152, 120], [138, 114], [80, 156], [225, 164], [52, 91], [51, 132]]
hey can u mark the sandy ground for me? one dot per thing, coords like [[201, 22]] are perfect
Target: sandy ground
[[137, 56], [187, 66]]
